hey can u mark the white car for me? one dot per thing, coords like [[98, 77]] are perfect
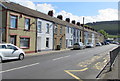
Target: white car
[[79, 45], [90, 45], [98, 44], [10, 51]]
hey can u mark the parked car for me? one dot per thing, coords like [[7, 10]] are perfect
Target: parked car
[[10, 51], [98, 44], [107, 43], [89, 45], [78, 45]]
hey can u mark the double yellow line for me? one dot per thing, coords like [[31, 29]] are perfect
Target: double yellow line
[[69, 72]]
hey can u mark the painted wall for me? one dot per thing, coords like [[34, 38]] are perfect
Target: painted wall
[[86, 37], [69, 37], [0, 24], [41, 36]]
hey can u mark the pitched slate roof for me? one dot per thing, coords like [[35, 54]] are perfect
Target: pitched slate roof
[[27, 11]]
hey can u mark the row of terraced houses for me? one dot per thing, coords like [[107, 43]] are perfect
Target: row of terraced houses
[[34, 31]]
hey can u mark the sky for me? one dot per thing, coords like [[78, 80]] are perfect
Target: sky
[[91, 11]]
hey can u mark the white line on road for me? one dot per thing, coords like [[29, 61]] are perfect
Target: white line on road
[[19, 67], [61, 57]]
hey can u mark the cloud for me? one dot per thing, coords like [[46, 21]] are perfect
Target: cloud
[[103, 14], [44, 8]]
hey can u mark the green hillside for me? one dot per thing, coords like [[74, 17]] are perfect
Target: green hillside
[[111, 27]]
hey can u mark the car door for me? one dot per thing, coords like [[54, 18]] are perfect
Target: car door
[[13, 51]]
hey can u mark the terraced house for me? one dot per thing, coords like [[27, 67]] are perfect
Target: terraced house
[[20, 26], [34, 31]]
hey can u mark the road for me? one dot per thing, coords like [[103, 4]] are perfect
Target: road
[[73, 64]]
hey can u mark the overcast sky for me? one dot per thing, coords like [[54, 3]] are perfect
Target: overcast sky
[[92, 11]]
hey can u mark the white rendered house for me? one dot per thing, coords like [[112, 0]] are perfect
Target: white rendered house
[[44, 35], [69, 37]]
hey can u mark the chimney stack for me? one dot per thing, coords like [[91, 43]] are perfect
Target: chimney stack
[[60, 17], [50, 13], [68, 20], [73, 21], [78, 23]]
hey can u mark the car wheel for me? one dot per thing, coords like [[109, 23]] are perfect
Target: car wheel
[[1, 60], [21, 57]]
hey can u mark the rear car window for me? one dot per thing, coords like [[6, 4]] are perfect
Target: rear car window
[[76, 44], [2, 47]]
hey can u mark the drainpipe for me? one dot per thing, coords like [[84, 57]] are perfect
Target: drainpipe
[[53, 35], [36, 36]]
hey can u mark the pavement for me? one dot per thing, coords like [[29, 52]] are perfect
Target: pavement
[[47, 52], [63, 64], [115, 73]]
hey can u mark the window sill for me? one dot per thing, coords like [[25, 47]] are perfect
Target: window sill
[[13, 28], [26, 30], [24, 47]]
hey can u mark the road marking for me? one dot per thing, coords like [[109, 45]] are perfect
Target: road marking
[[73, 75], [19, 67], [61, 57], [69, 72], [78, 70]]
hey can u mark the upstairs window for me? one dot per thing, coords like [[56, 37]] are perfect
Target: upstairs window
[[13, 21], [68, 29], [27, 24], [55, 30], [60, 30], [47, 28], [39, 29]]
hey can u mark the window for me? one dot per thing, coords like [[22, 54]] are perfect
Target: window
[[47, 27], [39, 27], [60, 30], [2, 47], [55, 30], [24, 42], [13, 39], [47, 42], [60, 42], [71, 30], [27, 24], [11, 47], [68, 29], [13, 21]]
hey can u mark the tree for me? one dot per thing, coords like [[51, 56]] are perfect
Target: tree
[[103, 32]]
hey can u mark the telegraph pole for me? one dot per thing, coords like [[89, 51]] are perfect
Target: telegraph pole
[[83, 31]]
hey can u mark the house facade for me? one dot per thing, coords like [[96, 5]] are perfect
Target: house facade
[[59, 36], [20, 28], [44, 35], [69, 36]]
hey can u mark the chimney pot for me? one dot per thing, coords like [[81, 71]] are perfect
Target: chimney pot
[[50, 13], [78, 23], [60, 17], [73, 21], [68, 20]]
